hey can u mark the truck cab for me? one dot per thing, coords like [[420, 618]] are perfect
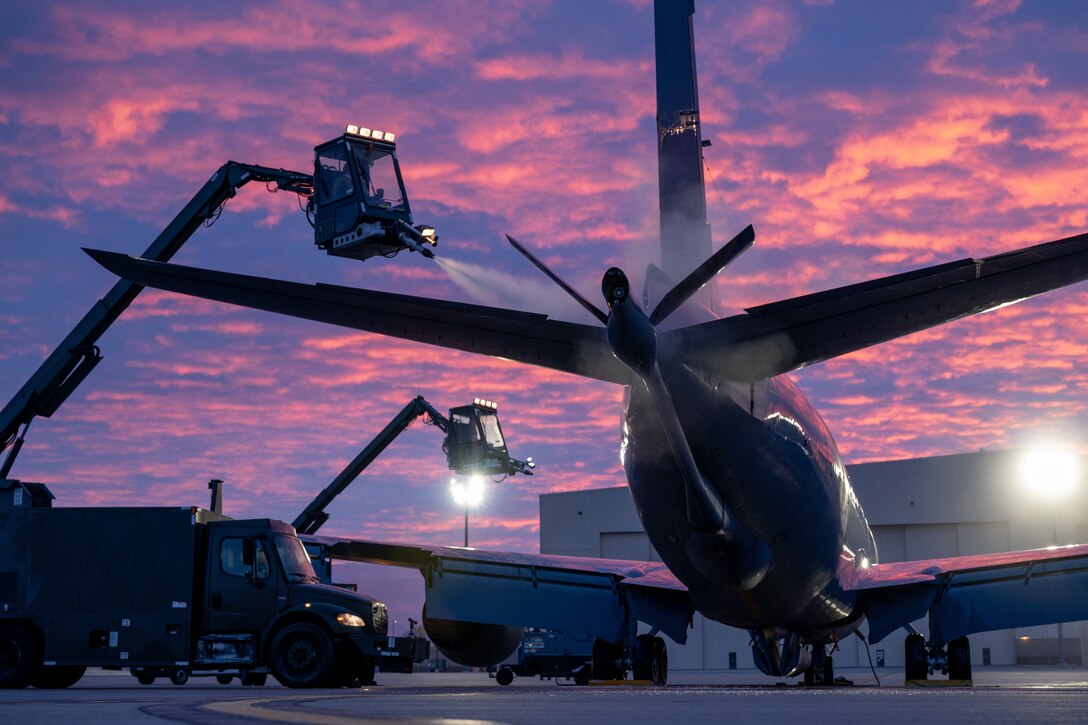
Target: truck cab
[[173, 592], [263, 595]]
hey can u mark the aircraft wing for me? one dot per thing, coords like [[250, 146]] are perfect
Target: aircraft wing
[[564, 593], [522, 336], [776, 338], [766, 341], [977, 593]]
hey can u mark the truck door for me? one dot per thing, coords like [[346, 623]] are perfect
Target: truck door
[[243, 582]]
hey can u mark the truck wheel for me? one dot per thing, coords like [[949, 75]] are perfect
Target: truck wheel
[[19, 658], [179, 676], [145, 679], [302, 656], [504, 676], [254, 679], [57, 678], [223, 679]]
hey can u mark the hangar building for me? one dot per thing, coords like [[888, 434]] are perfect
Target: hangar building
[[918, 508]]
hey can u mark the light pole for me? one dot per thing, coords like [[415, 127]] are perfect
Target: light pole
[[469, 493], [1052, 475]]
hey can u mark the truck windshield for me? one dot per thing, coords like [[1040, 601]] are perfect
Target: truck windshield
[[295, 561]]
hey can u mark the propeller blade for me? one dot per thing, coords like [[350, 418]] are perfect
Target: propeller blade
[[703, 274], [593, 310]]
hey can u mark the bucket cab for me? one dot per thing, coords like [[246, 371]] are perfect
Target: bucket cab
[[361, 209]]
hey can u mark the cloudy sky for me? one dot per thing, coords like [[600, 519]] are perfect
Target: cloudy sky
[[861, 139]]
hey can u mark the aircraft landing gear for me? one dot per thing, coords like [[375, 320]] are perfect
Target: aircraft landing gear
[[606, 659], [959, 659], [821, 671], [915, 658], [922, 660], [651, 659]]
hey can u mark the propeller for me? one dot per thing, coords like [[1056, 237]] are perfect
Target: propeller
[[593, 310], [632, 336], [702, 274]]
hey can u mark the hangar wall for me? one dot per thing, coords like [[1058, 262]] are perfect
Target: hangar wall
[[918, 508]]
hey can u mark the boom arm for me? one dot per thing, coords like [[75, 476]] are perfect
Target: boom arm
[[314, 515], [77, 355]]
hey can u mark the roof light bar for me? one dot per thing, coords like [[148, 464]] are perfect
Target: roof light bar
[[480, 402], [372, 133]]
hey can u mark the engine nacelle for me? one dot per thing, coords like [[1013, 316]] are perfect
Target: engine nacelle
[[470, 643]]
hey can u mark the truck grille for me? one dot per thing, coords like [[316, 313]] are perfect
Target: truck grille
[[380, 617]]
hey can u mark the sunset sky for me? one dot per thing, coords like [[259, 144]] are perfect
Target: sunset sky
[[860, 138]]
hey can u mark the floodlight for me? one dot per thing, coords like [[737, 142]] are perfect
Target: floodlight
[[1050, 473], [469, 493]]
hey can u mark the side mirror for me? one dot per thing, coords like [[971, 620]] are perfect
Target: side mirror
[[248, 552]]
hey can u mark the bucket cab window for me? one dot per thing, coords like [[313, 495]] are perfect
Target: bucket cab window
[[232, 558], [333, 174], [463, 428], [381, 182], [492, 432]]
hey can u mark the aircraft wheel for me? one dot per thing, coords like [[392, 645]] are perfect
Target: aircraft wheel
[[223, 679], [604, 661], [57, 678], [917, 663], [959, 659], [504, 676], [644, 657], [661, 662], [179, 676], [19, 659], [810, 676], [302, 656]]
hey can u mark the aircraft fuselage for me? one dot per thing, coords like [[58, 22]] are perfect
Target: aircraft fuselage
[[771, 458]]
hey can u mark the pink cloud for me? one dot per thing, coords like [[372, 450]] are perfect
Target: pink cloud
[[972, 142]]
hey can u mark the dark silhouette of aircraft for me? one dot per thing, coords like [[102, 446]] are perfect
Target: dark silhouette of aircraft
[[737, 479]]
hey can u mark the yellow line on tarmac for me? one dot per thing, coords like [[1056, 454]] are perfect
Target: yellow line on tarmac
[[253, 709]]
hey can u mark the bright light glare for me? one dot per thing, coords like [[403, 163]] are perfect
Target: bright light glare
[[467, 493], [1050, 473]]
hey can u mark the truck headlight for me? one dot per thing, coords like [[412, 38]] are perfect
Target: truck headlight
[[350, 620]]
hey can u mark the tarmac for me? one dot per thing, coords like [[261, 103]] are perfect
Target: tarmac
[[999, 694]]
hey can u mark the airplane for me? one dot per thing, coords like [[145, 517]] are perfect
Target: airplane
[[735, 476]]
